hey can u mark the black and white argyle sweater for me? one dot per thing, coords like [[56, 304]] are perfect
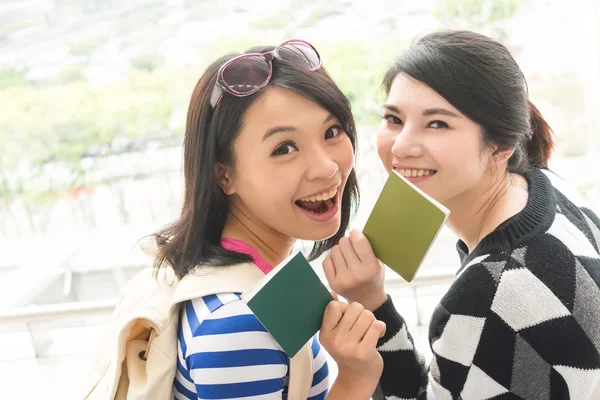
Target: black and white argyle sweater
[[522, 318]]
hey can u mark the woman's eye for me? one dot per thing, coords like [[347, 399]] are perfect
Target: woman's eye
[[333, 132], [392, 119], [285, 148], [438, 124]]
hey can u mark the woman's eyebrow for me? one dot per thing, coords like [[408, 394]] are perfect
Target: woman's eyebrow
[[441, 111], [280, 129]]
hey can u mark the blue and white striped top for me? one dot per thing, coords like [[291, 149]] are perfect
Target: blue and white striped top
[[226, 353]]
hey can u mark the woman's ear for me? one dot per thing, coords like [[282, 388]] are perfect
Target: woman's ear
[[224, 178], [502, 155]]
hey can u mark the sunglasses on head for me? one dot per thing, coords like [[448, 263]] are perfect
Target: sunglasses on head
[[248, 73]]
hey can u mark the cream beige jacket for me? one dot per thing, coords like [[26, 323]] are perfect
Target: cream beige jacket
[[138, 354]]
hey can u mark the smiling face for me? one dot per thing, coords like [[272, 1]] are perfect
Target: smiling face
[[425, 137], [292, 161]]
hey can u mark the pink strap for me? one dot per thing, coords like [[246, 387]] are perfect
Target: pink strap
[[243, 247]]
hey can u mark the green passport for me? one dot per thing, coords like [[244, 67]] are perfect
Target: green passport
[[290, 302], [403, 225]]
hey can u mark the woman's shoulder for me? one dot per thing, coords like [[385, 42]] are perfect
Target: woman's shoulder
[[575, 229], [572, 228], [567, 191], [215, 307], [225, 322]]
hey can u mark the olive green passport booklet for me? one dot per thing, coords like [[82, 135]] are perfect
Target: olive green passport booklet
[[290, 302], [403, 225]]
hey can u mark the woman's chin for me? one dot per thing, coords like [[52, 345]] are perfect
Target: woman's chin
[[321, 233]]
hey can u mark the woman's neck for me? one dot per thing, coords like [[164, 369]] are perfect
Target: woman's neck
[[479, 212], [272, 246]]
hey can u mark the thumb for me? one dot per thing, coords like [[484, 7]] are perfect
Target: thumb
[[334, 295], [383, 328]]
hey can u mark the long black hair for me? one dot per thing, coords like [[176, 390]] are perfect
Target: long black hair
[[194, 238]]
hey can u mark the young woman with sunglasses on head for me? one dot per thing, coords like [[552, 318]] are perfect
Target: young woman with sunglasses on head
[[522, 318], [268, 159]]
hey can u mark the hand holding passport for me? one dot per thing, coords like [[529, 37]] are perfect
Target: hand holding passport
[[290, 301], [403, 225]]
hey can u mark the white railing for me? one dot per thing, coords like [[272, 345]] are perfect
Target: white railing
[[29, 316], [51, 312]]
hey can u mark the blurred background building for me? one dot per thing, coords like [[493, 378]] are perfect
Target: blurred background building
[[93, 97]]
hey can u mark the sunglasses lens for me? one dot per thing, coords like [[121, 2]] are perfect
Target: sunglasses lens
[[301, 54], [246, 74]]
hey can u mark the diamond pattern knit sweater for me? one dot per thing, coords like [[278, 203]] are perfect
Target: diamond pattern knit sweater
[[522, 318]]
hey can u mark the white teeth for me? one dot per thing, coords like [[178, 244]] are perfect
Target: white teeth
[[413, 173], [322, 196], [328, 204]]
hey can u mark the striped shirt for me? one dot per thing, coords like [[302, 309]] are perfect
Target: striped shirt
[[226, 353]]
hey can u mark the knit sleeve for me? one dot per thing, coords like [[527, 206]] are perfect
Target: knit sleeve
[[456, 335], [404, 373]]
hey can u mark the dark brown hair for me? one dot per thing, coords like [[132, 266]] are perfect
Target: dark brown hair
[[194, 238], [479, 77]]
